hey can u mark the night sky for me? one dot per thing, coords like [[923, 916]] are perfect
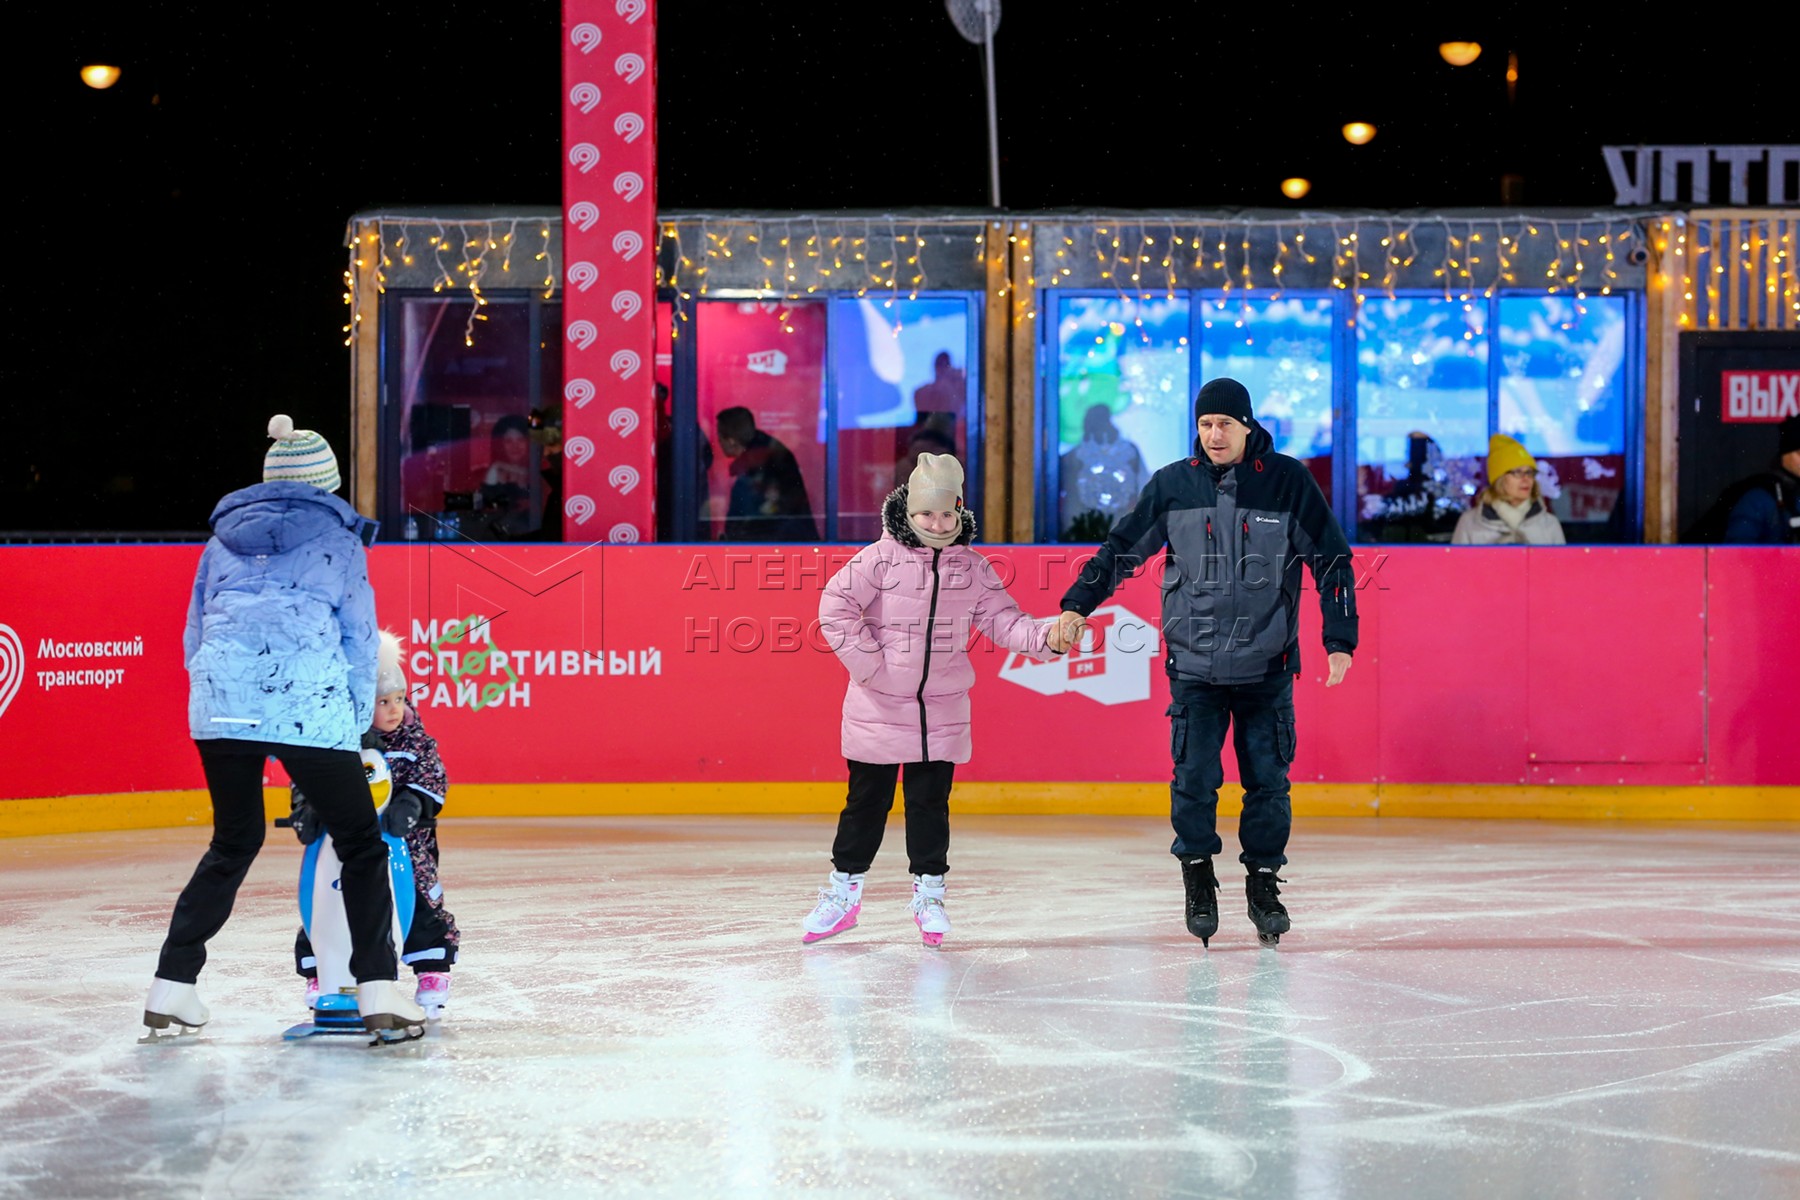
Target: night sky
[[178, 237]]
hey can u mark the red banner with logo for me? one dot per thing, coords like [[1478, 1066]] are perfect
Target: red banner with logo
[[598, 664], [609, 269]]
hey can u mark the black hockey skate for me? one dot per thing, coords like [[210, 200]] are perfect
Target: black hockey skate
[[1267, 912], [1202, 898]]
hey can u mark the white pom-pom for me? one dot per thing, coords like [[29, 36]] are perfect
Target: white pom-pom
[[281, 427]]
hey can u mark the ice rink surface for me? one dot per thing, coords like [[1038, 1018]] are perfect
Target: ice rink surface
[[1480, 1009]]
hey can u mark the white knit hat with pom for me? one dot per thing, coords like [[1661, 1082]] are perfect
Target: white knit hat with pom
[[299, 456], [390, 672]]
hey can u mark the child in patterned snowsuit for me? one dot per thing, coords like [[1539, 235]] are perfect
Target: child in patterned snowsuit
[[419, 785]]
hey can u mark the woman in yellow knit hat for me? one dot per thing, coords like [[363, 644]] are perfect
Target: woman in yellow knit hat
[[1510, 511]]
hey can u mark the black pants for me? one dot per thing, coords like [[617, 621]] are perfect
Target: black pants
[[336, 785], [871, 798], [432, 938], [1261, 719]]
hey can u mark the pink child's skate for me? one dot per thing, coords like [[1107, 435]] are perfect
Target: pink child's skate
[[928, 908], [839, 903]]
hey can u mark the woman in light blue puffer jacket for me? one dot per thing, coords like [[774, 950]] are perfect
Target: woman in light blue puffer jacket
[[280, 647]]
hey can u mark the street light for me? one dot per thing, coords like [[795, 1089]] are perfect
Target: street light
[[1359, 133], [99, 77], [1459, 54], [977, 20]]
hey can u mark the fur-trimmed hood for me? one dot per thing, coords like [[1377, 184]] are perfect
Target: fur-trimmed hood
[[895, 524]]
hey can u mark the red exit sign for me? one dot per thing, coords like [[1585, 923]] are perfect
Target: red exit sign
[[1759, 395]]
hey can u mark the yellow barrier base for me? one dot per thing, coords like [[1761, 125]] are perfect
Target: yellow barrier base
[[155, 810]]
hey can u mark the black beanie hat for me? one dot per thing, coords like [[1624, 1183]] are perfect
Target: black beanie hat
[[1225, 396], [1790, 436]]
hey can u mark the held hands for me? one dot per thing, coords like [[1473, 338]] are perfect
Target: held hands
[[1066, 632], [1340, 664]]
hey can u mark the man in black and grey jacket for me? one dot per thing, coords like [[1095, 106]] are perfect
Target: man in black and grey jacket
[[1240, 522]]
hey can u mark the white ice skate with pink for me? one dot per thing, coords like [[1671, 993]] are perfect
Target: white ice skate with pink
[[840, 900], [928, 908]]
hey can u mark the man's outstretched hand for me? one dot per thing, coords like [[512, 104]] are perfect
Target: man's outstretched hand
[[1340, 666]]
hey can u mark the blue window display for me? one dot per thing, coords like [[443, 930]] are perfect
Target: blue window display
[[1421, 415], [1281, 351], [1122, 405], [1562, 394], [901, 385]]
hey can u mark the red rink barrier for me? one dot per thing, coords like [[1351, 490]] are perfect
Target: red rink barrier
[[596, 664]]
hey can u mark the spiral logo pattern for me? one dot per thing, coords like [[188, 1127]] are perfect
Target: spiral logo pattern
[[578, 392], [584, 156], [579, 508], [627, 304], [584, 96], [628, 126], [582, 215], [12, 664], [624, 478], [627, 243], [625, 363], [623, 534], [628, 184], [579, 450], [582, 333], [623, 419], [631, 10], [629, 67], [582, 275], [585, 36]]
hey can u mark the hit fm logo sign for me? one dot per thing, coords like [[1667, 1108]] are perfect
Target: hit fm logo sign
[[609, 273], [1111, 665]]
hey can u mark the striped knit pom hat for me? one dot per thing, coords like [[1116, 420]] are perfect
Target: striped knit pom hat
[[299, 456]]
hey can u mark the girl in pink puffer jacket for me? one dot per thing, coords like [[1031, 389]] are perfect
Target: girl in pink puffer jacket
[[900, 615]]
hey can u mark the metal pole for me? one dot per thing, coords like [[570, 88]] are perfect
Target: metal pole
[[993, 123]]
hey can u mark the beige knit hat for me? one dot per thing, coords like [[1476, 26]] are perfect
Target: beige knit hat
[[935, 485]]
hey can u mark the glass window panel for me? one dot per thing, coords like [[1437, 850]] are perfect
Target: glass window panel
[[766, 356], [1562, 394], [1122, 405], [1281, 351], [1421, 415], [700, 467], [472, 443], [902, 389]]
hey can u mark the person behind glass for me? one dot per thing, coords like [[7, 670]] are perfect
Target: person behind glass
[[1510, 511], [1101, 476], [768, 501], [899, 616], [280, 648], [419, 785], [1240, 521], [507, 486], [1767, 509]]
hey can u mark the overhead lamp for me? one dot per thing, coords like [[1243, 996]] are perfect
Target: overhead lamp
[[99, 76], [1295, 188], [1359, 133], [1459, 54]]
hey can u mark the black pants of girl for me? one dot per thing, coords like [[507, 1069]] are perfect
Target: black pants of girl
[[871, 798], [336, 785]]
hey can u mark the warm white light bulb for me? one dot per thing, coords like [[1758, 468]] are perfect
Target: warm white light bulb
[[1358, 133], [1459, 54], [99, 76], [1295, 188]]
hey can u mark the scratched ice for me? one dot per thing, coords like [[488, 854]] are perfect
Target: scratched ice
[[1462, 1009]]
